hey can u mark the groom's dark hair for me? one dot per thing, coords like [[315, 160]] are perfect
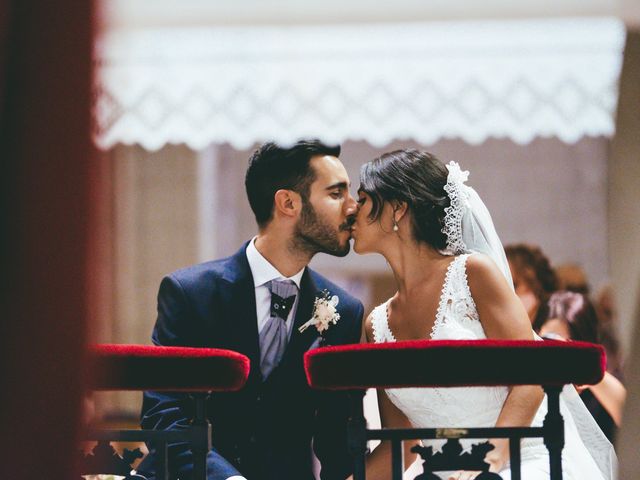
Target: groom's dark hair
[[273, 167]]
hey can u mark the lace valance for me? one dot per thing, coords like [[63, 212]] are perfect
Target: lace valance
[[421, 81]]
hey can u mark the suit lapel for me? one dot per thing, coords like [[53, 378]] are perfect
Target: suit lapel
[[240, 302], [300, 342]]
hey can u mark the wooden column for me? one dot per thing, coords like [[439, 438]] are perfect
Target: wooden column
[[46, 181], [624, 217]]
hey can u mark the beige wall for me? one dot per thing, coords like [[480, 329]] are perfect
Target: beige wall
[[155, 226], [156, 230], [545, 192]]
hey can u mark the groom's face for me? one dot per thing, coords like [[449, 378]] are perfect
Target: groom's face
[[326, 215]]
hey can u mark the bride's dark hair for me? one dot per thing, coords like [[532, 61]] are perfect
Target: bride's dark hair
[[415, 177]]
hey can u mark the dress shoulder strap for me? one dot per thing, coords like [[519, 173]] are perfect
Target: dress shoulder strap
[[380, 324], [455, 278], [455, 288]]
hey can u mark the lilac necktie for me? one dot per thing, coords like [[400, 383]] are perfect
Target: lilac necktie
[[274, 335]]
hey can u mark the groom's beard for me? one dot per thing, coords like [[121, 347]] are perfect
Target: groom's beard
[[313, 235]]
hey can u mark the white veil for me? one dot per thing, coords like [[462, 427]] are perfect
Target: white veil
[[469, 229], [468, 224]]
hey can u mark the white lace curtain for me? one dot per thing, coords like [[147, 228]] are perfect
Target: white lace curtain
[[420, 81]]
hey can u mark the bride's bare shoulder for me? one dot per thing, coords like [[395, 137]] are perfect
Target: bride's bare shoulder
[[483, 274], [479, 260], [479, 264]]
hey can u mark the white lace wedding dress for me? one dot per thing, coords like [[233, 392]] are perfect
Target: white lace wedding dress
[[457, 319]]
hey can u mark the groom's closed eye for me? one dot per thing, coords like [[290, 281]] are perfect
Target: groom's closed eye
[[341, 186], [337, 190]]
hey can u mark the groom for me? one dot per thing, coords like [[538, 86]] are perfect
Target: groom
[[254, 303]]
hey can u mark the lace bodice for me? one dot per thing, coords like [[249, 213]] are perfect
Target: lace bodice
[[456, 319]]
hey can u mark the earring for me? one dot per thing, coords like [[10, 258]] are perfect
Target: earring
[[395, 225]]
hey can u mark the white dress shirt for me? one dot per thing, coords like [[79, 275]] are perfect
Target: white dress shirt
[[263, 272]]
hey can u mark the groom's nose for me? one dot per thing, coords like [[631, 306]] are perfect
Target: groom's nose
[[351, 206]]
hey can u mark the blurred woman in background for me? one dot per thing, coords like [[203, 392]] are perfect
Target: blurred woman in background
[[604, 303], [573, 317], [533, 280]]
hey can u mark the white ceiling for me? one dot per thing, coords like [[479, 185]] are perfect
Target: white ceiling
[[159, 13]]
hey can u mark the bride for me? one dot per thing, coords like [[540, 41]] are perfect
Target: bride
[[454, 283]]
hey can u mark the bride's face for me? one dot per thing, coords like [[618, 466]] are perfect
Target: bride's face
[[366, 233]]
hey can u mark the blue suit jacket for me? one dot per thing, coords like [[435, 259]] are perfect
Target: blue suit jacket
[[264, 431]]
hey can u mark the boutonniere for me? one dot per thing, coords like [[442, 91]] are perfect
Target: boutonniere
[[324, 313]]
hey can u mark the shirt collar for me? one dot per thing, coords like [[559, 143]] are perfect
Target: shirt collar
[[263, 271]]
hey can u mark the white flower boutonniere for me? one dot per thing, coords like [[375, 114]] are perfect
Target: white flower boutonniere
[[324, 313]]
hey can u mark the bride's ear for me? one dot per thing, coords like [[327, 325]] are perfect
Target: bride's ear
[[399, 210]]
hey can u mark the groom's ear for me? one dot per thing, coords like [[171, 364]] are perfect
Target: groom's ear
[[287, 203]]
